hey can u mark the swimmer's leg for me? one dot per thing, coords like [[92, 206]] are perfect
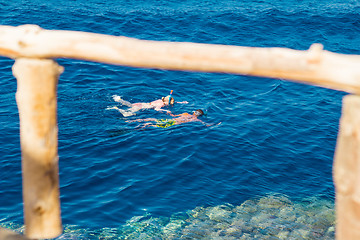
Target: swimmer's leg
[[146, 125], [122, 101], [135, 108], [126, 113], [109, 108], [123, 112]]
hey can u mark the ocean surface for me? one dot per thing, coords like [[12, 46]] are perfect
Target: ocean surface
[[264, 172]]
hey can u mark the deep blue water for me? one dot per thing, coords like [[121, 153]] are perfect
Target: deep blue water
[[275, 136]]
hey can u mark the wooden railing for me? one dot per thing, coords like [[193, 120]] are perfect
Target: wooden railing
[[34, 48]]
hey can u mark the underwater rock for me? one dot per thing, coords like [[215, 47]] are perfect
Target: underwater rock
[[196, 212], [108, 233], [273, 201], [287, 213], [300, 234], [219, 214], [272, 217], [233, 231], [249, 206], [331, 230], [173, 226], [221, 226], [283, 235], [74, 232], [196, 232], [303, 219], [330, 233], [243, 225], [246, 236]]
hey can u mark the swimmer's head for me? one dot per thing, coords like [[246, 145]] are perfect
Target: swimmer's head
[[166, 100], [198, 113]]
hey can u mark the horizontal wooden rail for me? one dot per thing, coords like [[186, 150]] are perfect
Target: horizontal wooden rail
[[314, 66]]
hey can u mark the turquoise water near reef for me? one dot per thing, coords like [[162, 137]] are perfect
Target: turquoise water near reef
[[276, 138]]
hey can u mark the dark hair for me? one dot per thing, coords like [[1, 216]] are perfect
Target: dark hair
[[199, 112]]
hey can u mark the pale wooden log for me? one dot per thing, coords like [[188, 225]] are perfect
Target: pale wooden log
[[347, 171], [315, 66], [36, 98]]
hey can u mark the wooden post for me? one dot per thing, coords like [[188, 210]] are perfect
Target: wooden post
[[36, 99], [347, 171]]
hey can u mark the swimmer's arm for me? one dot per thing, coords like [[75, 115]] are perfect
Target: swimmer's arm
[[208, 125], [183, 102], [198, 120], [162, 110], [173, 115], [211, 124]]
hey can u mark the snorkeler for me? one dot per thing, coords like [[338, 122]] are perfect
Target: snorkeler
[[134, 107], [179, 119]]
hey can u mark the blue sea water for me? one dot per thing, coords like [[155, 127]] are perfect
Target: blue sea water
[[275, 136]]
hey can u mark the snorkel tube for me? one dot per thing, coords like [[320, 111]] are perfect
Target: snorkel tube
[[170, 96]]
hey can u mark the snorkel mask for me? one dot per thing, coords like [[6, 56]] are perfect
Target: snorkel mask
[[168, 101], [170, 98]]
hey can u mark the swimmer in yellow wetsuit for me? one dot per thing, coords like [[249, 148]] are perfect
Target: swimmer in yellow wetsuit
[[178, 119], [164, 123]]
